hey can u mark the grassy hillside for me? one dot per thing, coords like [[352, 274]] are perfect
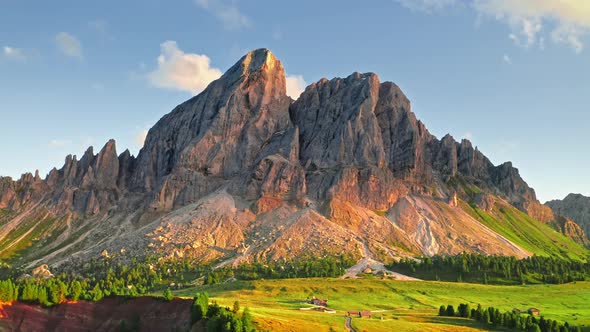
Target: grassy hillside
[[528, 233], [403, 305], [30, 237]]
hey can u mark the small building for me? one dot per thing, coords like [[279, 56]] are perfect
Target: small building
[[365, 314], [534, 312], [353, 313], [319, 302]]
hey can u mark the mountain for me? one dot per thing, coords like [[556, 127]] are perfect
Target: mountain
[[242, 172], [575, 207]]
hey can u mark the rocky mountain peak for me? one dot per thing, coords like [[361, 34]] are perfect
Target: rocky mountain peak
[[260, 73], [347, 162], [260, 59], [217, 133]]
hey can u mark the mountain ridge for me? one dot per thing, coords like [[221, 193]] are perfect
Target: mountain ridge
[[347, 164], [575, 208]]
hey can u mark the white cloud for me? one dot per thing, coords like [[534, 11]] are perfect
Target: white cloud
[[507, 59], [182, 71], [228, 14], [568, 35], [426, 5], [295, 86], [68, 45], [59, 143], [140, 137], [13, 53], [568, 20]]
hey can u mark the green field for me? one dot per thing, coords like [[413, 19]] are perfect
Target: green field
[[396, 305]]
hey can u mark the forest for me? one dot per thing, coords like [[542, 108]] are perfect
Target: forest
[[506, 270], [514, 320]]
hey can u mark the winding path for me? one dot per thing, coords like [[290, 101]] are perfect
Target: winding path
[[348, 324]]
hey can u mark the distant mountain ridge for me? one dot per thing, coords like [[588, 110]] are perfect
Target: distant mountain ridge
[[242, 172], [575, 207]]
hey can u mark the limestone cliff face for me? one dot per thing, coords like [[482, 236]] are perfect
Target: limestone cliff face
[[348, 152], [215, 135], [575, 207]]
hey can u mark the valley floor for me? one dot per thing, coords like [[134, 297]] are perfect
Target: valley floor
[[395, 305]]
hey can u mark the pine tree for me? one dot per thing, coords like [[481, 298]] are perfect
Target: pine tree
[[450, 311], [236, 308], [75, 290], [247, 325], [200, 306], [96, 293], [442, 311], [486, 317], [168, 296]]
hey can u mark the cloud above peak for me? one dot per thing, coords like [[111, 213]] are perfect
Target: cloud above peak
[[182, 71], [563, 21], [193, 72], [295, 85]]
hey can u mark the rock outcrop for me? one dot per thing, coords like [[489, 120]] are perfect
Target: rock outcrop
[[572, 230], [575, 207]]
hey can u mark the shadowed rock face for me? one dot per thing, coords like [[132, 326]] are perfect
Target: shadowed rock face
[[575, 207], [344, 148]]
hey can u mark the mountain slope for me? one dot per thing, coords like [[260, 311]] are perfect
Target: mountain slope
[[242, 172], [535, 237]]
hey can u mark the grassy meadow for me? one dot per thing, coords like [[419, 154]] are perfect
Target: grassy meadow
[[396, 305]]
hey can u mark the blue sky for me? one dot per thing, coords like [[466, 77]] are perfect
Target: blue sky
[[512, 76]]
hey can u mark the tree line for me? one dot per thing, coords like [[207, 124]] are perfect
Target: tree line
[[307, 267], [494, 269], [511, 320], [106, 277]]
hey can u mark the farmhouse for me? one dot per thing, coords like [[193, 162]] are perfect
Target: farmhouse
[[361, 313], [365, 314], [319, 302], [534, 312]]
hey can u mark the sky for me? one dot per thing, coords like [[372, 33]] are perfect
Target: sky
[[511, 76]]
